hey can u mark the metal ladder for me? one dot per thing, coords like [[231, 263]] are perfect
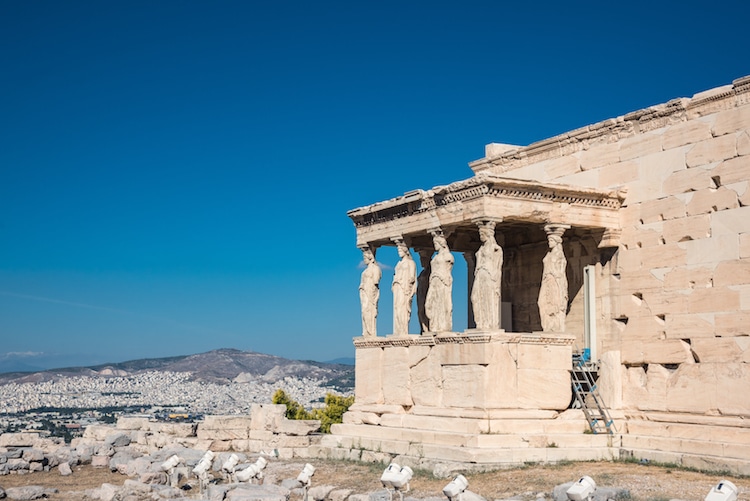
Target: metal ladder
[[587, 396]]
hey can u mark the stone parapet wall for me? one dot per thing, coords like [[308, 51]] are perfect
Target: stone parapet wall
[[473, 371]]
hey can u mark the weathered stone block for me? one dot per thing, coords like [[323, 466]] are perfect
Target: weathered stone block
[[712, 150], [218, 422], [368, 376], [718, 349], [226, 434], [534, 356], [736, 323], [426, 376], [544, 389], [670, 254], [667, 351], [562, 166], [743, 143], [640, 145], [132, 423], [98, 432], [742, 189], [662, 209], [731, 171], [266, 416], [692, 388], [396, 389], [712, 200], [176, 429], [684, 133], [706, 251], [661, 302], [735, 272], [713, 299], [298, 427], [653, 170], [683, 181], [21, 439], [687, 228], [731, 222], [643, 328], [731, 121], [689, 277], [464, 385], [599, 155], [643, 235], [690, 326]]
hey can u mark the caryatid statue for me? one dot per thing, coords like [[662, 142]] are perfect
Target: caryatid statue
[[553, 293], [423, 284], [404, 286], [439, 303], [369, 292], [485, 292]]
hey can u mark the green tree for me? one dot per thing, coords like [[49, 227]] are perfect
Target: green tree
[[294, 409], [332, 413]]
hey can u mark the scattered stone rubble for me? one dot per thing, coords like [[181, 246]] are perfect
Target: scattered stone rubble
[[145, 451]]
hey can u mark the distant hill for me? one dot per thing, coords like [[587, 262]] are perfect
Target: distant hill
[[218, 366]]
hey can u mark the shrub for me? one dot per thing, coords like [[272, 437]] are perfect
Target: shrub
[[332, 413]]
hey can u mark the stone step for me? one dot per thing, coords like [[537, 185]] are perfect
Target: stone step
[[713, 433], [572, 423], [688, 446], [704, 462]]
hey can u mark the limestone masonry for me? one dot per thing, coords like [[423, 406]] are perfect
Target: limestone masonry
[[627, 241]]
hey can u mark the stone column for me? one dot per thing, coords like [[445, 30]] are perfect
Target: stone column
[[404, 287], [439, 302], [553, 293], [471, 263], [485, 295], [423, 283], [369, 291]]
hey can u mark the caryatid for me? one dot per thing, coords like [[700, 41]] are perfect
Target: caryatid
[[485, 292], [369, 292], [404, 286], [553, 293], [439, 303]]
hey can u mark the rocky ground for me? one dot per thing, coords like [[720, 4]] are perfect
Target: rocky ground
[[643, 482]]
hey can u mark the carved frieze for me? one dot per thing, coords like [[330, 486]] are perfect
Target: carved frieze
[[485, 195]]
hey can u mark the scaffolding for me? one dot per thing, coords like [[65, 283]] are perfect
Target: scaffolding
[[584, 376]]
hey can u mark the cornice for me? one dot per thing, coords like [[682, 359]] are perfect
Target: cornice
[[614, 129], [483, 185]]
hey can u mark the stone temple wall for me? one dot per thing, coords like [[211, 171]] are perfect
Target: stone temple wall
[[673, 302]]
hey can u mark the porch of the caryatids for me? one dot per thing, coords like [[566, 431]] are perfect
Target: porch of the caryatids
[[439, 302], [485, 290], [404, 287], [553, 293]]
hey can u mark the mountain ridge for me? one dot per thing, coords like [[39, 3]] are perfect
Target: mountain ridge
[[221, 366]]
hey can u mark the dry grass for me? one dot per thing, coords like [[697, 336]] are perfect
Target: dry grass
[[645, 482]]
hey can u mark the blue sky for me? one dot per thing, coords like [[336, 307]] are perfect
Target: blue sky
[[175, 176]]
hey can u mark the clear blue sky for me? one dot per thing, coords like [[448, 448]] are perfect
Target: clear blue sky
[[175, 175]]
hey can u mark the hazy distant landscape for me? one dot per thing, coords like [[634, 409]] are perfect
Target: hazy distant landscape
[[225, 381]]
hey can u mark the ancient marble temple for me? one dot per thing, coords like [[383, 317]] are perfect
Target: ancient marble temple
[[629, 238]]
